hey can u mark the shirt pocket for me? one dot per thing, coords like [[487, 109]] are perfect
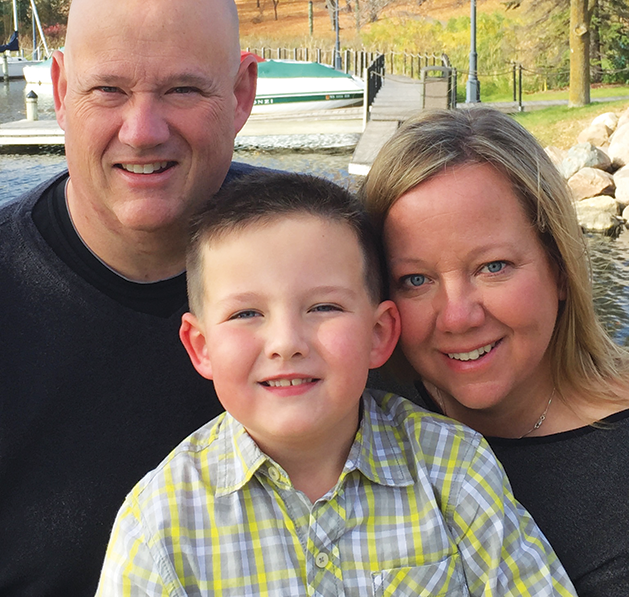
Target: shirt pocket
[[439, 579]]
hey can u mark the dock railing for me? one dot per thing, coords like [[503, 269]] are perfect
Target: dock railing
[[373, 77]]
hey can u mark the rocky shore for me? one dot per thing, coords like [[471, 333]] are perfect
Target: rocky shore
[[597, 172]]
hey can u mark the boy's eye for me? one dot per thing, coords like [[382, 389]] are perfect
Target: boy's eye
[[414, 280], [325, 308], [494, 267], [247, 314]]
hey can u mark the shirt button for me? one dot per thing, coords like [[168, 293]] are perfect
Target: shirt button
[[322, 559], [274, 474]]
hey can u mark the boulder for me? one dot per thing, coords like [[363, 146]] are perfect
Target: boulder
[[609, 119], [590, 182], [596, 134], [623, 119], [619, 146], [621, 180], [584, 155], [599, 214]]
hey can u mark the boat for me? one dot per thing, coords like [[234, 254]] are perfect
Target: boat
[[17, 64], [293, 85], [38, 73]]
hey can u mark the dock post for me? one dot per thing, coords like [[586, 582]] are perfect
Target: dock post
[[5, 68], [31, 106]]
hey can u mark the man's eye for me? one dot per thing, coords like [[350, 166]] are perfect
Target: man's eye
[[183, 90], [108, 89], [414, 280]]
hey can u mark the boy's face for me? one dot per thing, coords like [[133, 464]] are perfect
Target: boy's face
[[288, 330]]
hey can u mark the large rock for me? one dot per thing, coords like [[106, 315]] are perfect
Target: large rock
[[584, 155], [609, 119], [590, 182], [599, 214], [619, 146], [623, 119], [596, 134], [621, 180]]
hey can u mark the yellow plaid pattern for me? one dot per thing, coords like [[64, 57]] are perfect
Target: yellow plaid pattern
[[421, 508]]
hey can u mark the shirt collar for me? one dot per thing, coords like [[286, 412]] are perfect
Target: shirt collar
[[378, 451]]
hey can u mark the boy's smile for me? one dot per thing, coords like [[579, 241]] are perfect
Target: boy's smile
[[288, 329]]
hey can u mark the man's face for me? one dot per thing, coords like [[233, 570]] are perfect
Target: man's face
[[150, 97]]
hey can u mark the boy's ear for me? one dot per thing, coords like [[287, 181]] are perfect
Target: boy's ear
[[386, 333], [193, 339]]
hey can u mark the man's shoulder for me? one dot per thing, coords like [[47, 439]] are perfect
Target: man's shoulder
[[238, 169], [26, 200]]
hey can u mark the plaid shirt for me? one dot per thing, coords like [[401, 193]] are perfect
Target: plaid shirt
[[421, 508]]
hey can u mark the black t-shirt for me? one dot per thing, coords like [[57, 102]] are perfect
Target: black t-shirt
[[53, 221]]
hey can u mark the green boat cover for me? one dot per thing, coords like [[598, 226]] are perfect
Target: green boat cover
[[276, 69]]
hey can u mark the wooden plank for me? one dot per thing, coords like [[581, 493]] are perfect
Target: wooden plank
[[373, 138]]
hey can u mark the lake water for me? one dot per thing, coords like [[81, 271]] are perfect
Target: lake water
[[22, 170]]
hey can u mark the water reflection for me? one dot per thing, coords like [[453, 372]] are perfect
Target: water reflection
[[610, 266]]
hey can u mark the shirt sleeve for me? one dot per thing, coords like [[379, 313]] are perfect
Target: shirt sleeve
[[502, 550], [129, 569]]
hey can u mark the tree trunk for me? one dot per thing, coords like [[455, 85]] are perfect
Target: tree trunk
[[580, 15]]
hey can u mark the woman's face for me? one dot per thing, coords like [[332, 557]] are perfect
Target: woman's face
[[477, 295]]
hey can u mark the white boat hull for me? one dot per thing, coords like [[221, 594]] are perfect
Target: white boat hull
[[316, 87], [17, 65]]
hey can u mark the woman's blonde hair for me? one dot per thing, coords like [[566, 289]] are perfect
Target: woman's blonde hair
[[584, 358]]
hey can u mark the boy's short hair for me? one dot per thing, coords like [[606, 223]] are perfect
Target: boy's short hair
[[263, 197]]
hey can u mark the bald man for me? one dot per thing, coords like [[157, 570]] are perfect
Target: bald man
[[95, 388]]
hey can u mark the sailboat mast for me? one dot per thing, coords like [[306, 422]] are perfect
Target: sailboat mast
[[14, 15]]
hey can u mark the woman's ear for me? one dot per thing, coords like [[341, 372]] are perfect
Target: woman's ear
[[193, 338], [386, 332]]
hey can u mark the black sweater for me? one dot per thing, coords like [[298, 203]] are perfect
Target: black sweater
[[93, 394]]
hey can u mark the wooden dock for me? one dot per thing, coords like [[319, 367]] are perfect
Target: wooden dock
[[31, 132], [399, 98]]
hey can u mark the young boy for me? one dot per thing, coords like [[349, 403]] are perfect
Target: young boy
[[310, 485]]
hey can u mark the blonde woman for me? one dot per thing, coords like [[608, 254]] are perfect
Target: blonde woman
[[489, 269]]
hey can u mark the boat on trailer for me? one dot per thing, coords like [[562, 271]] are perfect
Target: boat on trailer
[[299, 86]]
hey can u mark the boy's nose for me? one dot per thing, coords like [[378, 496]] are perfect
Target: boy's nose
[[286, 339]]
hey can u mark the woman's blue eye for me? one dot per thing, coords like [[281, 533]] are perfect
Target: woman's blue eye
[[415, 279], [495, 266]]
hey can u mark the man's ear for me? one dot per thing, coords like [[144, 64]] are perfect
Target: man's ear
[[59, 86], [386, 332], [245, 90], [193, 339]]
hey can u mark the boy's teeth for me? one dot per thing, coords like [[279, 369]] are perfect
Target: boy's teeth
[[283, 383], [144, 168], [471, 356]]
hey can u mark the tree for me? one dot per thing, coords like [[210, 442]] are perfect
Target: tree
[[580, 17]]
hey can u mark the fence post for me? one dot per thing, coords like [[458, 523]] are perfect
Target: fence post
[[515, 98], [319, 55], [520, 106], [366, 76]]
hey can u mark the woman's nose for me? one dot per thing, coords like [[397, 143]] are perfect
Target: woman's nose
[[459, 308]]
